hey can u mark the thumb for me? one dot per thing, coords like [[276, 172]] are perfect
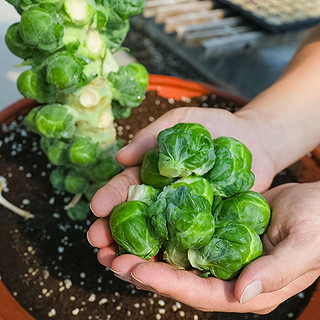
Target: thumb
[[132, 154], [287, 262], [145, 139]]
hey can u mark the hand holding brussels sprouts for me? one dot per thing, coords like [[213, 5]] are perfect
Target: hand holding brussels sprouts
[[289, 266], [183, 216]]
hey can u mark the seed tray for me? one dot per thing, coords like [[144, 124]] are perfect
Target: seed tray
[[278, 15]]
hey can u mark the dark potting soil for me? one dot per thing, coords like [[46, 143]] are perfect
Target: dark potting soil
[[47, 263]]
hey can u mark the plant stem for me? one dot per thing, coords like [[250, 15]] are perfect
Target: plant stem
[[22, 213], [73, 202]]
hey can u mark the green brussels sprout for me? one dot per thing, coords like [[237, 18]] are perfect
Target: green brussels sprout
[[116, 30], [15, 43], [80, 211], [100, 20], [231, 172], [57, 177], [75, 182], [128, 84], [65, 71], [247, 207], [83, 151], [56, 121], [176, 255], [143, 193], [186, 216], [149, 172], [79, 11], [30, 119], [184, 149], [119, 111], [33, 85], [199, 186], [128, 8], [232, 247], [56, 150], [104, 169], [40, 28], [130, 227]]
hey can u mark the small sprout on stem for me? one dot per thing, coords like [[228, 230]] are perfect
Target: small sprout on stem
[[73, 202]]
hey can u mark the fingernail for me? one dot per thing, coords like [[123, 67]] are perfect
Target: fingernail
[[122, 149], [142, 285], [121, 276], [89, 239], [251, 290]]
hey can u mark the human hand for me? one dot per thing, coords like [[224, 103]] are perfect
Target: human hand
[[289, 264], [219, 123]]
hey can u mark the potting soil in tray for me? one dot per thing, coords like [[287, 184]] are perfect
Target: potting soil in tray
[[47, 263]]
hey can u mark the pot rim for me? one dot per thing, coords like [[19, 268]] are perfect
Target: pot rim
[[167, 87]]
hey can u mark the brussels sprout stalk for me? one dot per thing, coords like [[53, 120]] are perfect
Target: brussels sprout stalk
[[69, 46]]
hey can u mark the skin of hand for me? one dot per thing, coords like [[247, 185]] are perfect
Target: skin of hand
[[279, 126], [289, 265]]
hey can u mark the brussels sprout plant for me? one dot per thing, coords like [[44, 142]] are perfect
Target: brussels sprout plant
[[69, 46], [195, 203]]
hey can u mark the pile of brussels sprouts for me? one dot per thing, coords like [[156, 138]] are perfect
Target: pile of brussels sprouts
[[194, 204], [69, 46]]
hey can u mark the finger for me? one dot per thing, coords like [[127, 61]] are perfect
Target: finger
[[99, 234], [271, 194], [287, 262], [107, 255], [146, 138], [185, 286], [114, 192]]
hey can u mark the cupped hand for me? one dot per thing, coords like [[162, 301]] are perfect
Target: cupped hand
[[289, 265], [219, 122]]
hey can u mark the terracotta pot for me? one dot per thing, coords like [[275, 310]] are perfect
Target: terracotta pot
[[307, 169]]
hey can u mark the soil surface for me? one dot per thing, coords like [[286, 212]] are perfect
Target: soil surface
[[47, 263]]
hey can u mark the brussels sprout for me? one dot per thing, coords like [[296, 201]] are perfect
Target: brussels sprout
[[131, 229], [247, 207], [149, 172], [56, 150], [40, 28], [30, 119], [184, 149], [232, 247], [15, 43], [79, 11], [116, 30], [33, 85], [128, 84], [104, 169], [80, 211], [128, 8], [187, 216], [176, 255], [56, 121], [231, 172], [199, 186], [57, 177], [119, 111], [83, 151], [143, 193], [75, 182], [65, 71]]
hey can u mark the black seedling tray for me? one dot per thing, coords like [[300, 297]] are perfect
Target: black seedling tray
[[272, 27]]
